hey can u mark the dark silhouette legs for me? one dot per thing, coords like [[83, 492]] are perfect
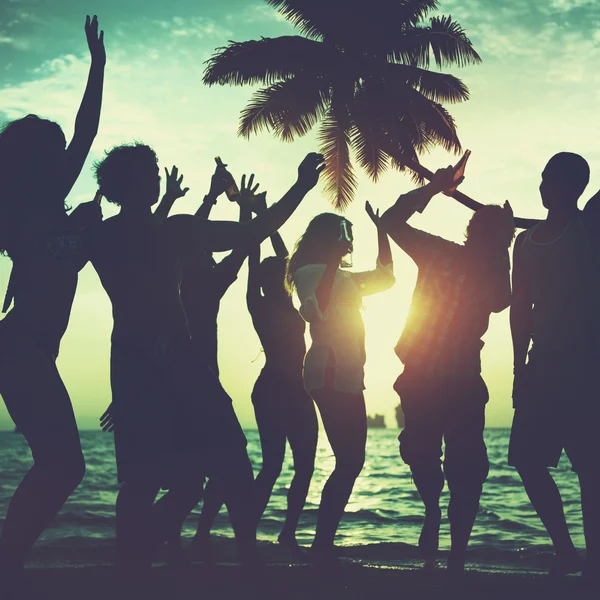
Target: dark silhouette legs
[[429, 480], [590, 504], [278, 419], [547, 502], [284, 414], [39, 404], [345, 421], [453, 410], [303, 442]]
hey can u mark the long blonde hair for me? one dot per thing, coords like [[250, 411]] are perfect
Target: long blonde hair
[[314, 246]]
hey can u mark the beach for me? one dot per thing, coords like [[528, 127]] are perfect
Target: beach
[[348, 581], [509, 551]]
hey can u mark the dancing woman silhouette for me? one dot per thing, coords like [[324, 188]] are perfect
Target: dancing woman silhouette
[[282, 407], [334, 365], [45, 244]]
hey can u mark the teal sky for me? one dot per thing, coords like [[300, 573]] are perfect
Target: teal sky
[[536, 93]]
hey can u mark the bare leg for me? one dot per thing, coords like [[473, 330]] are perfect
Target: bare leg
[[213, 501], [39, 404], [135, 541], [466, 467], [170, 512], [232, 471], [303, 434], [34, 505], [271, 427], [429, 481], [345, 421], [547, 502], [590, 504]]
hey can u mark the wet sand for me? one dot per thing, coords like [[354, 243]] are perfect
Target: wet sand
[[350, 580]]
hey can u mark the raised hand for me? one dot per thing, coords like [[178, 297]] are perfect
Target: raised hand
[[248, 195], [218, 183], [95, 41], [107, 422], [310, 169], [374, 216], [443, 179], [174, 189]]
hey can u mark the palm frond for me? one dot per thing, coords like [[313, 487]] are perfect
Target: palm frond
[[368, 151], [311, 17], [264, 61], [334, 141], [288, 108], [443, 38], [439, 87]]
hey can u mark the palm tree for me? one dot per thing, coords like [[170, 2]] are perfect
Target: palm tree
[[361, 71]]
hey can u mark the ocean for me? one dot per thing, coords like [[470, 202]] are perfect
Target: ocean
[[382, 521]]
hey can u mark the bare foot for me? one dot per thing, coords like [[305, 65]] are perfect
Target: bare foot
[[430, 533], [565, 564]]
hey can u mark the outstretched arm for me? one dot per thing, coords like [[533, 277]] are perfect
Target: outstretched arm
[[216, 236], [88, 117], [521, 319]]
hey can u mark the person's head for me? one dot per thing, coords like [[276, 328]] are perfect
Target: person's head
[[491, 228], [271, 275], [33, 170], [318, 244], [128, 175], [564, 179]]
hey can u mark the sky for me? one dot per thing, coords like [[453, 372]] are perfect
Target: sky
[[535, 93]]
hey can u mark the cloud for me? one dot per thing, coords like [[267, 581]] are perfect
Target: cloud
[[567, 5]]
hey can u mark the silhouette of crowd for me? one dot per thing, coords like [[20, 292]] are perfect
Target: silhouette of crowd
[[174, 425]]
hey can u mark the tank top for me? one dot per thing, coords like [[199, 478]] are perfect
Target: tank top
[[564, 276]]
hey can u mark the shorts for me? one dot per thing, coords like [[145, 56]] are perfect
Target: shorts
[[169, 408], [559, 412], [440, 409]]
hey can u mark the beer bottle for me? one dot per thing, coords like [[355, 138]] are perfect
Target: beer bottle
[[232, 191]]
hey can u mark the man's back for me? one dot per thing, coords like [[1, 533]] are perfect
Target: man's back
[[137, 260], [564, 278]]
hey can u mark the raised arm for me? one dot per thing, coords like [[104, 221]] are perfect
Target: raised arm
[[384, 256], [218, 184], [173, 192], [88, 117], [394, 220], [227, 270], [253, 295], [216, 236], [521, 319]]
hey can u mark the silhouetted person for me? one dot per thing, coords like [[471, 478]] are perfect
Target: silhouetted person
[[204, 283], [283, 409], [37, 172], [442, 393], [331, 299], [556, 295], [173, 420]]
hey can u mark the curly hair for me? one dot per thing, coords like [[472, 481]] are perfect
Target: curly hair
[[32, 170], [314, 246], [114, 172], [492, 225]]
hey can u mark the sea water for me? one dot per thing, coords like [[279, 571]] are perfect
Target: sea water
[[382, 520]]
